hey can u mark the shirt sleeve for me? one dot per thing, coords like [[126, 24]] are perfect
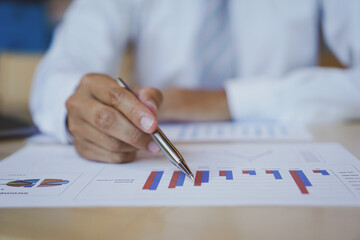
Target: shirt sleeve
[[91, 38], [309, 95]]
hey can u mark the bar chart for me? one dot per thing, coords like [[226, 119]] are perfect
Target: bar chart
[[301, 180], [297, 178], [276, 173], [250, 172], [323, 172], [177, 179], [226, 173], [201, 177], [311, 174], [153, 180]]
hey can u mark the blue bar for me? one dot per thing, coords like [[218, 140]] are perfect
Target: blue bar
[[180, 181], [252, 172], [182, 131], [283, 130], [195, 131], [276, 174], [271, 131], [229, 175], [303, 178], [324, 172], [205, 176], [156, 181], [233, 127], [258, 130], [208, 130], [220, 131], [245, 130]]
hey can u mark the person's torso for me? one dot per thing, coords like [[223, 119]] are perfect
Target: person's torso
[[269, 38]]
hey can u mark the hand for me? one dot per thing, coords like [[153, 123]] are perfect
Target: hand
[[194, 105], [109, 123]]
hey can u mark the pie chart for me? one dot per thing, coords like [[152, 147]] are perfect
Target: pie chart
[[23, 183], [53, 182]]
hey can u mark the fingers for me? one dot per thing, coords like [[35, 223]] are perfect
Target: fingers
[[110, 121], [94, 152], [81, 128], [106, 90]]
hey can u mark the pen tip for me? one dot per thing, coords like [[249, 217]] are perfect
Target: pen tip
[[192, 177]]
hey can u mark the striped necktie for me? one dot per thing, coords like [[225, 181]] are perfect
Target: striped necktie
[[215, 56]]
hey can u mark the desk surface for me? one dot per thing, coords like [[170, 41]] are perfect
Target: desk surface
[[189, 222]]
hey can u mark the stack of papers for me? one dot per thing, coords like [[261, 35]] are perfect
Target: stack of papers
[[232, 174], [48, 174], [234, 131]]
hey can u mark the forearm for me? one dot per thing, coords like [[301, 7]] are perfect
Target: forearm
[[312, 95], [194, 105]]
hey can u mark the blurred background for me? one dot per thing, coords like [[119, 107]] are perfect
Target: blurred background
[[26, 29]]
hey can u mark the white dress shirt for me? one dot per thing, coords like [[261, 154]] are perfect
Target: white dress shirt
[[276, 47]]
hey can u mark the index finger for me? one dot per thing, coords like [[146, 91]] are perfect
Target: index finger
[[106, 90]]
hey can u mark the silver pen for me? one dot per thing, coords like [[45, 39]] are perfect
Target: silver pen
[[164, 143]]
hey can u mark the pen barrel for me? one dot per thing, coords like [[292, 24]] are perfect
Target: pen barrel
[[167, 147], [163, 142], [170, 151]]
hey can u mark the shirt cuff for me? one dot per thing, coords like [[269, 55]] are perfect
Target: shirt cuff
[[50, 117], [252, 99]]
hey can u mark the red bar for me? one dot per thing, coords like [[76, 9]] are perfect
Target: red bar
[[298, 182], [269, 171], [316, 171], [150, 180], [174, 179], [246, 172], [222, 173], [198, 178]]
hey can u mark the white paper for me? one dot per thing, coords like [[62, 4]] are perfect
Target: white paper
[[234, 131], [79, 182]]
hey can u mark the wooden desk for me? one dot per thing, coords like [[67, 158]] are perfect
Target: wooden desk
[[189, 222]]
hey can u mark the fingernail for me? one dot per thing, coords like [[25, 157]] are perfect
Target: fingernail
[[153, 147], [146, 122]]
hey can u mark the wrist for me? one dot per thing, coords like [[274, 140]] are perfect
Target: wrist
[[194, 105]]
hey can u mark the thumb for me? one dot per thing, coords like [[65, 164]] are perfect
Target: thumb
[[151, 97]]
